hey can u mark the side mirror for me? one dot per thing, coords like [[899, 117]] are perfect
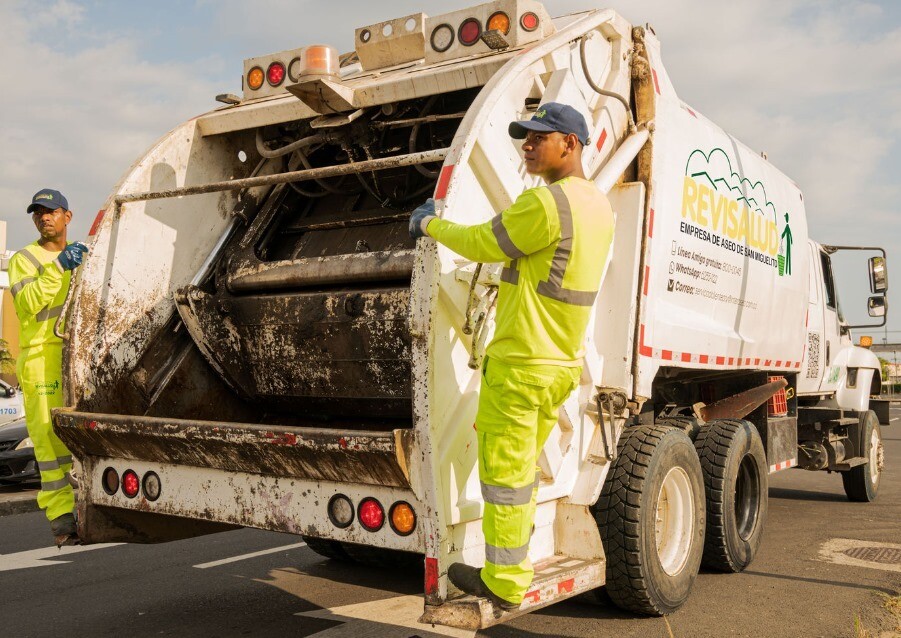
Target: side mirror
[[878, 277], [876, 306]]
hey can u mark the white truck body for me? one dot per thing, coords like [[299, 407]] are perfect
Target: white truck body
[[706, 290]]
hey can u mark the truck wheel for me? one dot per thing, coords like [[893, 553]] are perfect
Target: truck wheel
[[735, 483], [651, 518], [327, 548], [862, 482]]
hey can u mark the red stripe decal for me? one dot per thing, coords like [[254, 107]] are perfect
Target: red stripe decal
[[656, 83], [431, 575], [703, 358], [643, 350], [534, 595], [651, 224], [566, 587], [798, 364], [602, 138], [756, 362], [647, 276], [686, 357], [96, 225], [443, 182], [778, 364], [693, 114], [720, 361], [731, 360], [666, 354], [767, 363]]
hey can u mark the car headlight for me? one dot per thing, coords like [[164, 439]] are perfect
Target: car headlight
[[25, 443]]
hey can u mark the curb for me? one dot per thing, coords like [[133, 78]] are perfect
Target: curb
[[11, 504]]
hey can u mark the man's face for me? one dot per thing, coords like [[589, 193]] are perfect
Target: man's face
[[51, 223], [544, 152]]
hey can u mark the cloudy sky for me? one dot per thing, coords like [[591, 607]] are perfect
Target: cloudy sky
[[90, 84]]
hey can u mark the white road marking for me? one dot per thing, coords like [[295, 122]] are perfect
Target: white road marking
[[833, 551], [235, 559], [387, 618], [895, 419], [40, 557]]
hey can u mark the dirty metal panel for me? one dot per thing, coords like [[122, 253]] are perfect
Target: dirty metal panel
[[265, 502], [373, 458], [780, 439]]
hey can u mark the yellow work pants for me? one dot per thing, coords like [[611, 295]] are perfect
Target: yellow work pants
[[518, 408], [39, 370]]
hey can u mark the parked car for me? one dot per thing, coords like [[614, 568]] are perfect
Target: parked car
[[11, 405], [17, 463]]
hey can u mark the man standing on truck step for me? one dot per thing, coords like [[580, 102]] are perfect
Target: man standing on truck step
[[554, 242], [39, 277]]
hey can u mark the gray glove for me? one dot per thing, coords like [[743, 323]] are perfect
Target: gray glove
[[421, 217]]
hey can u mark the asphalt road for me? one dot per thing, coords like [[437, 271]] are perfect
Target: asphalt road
[[250, 582]]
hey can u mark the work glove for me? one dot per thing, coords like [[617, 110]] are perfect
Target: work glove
[[421, 218], [71, 257]]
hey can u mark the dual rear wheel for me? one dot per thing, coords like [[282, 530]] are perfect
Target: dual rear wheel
[[668, 505]]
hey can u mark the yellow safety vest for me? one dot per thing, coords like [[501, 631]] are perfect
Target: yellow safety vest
[[554, 242], [38, 287]]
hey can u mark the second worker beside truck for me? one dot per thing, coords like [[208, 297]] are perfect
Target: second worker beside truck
[[39, 277], [554, 242]]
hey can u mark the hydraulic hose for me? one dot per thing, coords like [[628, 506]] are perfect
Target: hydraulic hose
[[269, 153], [598, 89]]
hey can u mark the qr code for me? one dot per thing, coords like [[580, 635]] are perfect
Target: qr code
[[813, 355]]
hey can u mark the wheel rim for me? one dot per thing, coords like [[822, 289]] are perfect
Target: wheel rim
[[674, 521], [747, 497], [875, 452]]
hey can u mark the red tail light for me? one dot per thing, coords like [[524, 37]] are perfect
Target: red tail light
[[529, 21], [275, 74], [371, 514], [470, 31], [130, 483]]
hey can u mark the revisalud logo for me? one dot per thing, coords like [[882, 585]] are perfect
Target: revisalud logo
[[721, 201]]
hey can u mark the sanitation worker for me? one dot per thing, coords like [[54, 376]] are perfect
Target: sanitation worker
[[39, 280], [554, 241]]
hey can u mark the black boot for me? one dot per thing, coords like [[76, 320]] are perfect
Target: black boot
[[65, 530], [469, 580]]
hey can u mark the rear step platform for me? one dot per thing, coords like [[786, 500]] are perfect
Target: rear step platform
[[555, 579]]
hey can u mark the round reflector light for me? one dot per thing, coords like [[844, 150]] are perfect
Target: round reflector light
[[275, 74], [529, 21], [371, 514], [499, 21], [255, 78], [442, 38], [319, 59], [470, 31], [110, 481], [152, 486], [130, 483], [340, 511], [403, 518]]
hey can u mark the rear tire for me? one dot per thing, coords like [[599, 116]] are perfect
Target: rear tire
[[381, 557], [862, 482], [651, 518], [327, 548], [735, 483]]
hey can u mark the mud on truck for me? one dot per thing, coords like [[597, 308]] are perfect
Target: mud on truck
[[256, 341]]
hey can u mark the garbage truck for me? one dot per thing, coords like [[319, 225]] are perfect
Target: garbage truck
[[256, 341]]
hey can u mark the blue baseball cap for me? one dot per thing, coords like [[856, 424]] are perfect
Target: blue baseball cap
[[48, 198], [552, 117]]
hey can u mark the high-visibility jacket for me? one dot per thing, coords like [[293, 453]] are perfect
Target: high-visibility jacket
[[554, 242], [38, 286]]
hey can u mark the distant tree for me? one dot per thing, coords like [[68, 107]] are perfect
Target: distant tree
[[7, 361]]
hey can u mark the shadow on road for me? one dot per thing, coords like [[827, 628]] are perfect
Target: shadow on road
[[820, 581], [805, 495]]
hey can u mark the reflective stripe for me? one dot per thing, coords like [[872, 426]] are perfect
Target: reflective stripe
[[34, 260], [46, 466], [510, 274], [506, 555], [64, 460], [503, 239], [49, 313], [553, 287], [497, 495], [21, 284], [52, 486]]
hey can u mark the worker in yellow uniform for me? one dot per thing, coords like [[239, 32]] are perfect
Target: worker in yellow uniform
[[554, 241], [39, 280]]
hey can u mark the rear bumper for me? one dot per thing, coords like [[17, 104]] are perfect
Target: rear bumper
[[18, 466]]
